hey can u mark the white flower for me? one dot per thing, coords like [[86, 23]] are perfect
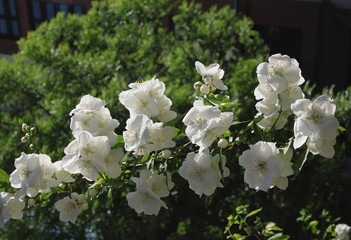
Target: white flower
[[111, 162], [93, 148], [208, 71], [161, 137], [137, 132], [4, 211], [88, 103], [212, 76], [150, 187], [15, 207], [33, 174], [98, 123], [61, 174], [343, 231], [87, 155], [268, 106], [278, 120], [289, 96], [148, 98], [278, 88], [143, 136], [280, 71], [264, 167], [202, 172], [68, 209], [316, 123], [205, 124]]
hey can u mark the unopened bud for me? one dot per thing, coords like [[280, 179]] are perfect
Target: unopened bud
[[222, 143], [204, 89], [24, 140], [33, 130], [32, 146], [31, 202], [25, 127], [93, 192], [197, 85], [84, 206], [166, 153]]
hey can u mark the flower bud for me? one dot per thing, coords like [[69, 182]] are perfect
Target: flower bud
[[204, 89], [84, 206], [24, 140], [197, 85], [33, 130], [93, 192], [222, 143], [31, 202], [25, 127], [32, 146], [166, 154]]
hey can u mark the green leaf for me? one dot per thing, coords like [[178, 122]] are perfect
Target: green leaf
[[279, 236], [254, 212], [145, 158], [4, 177], [342, 129], [299, 163]]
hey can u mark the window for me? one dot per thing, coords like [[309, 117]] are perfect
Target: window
[[9, 27], [44, 10]]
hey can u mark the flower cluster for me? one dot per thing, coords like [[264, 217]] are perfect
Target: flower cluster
[[146, 100], [91, 153], [149, 135], [278, 88], [205, 124], [316, 124], [150, 188]]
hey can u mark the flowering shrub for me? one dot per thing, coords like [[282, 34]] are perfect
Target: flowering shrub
[[160, 143]]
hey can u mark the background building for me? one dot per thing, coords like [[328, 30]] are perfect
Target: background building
[[316, 32], [17, 17]]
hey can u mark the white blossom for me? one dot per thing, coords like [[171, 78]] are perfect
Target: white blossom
[[143, 136], [202, 172], [150, 187], [88, 103], [111, 163], [278, 88], [148, 98], [87, 155], [316, 125], [280, 71], [68, 209], [15, 207], [98, 123], [265, 167], [343, 231], [137, 132], [33, 174], [205, 124], [212, 76]]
